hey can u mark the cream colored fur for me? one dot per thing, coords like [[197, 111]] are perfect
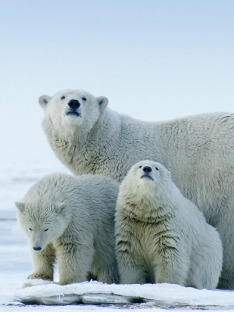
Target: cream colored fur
[[198, 150], [161, 236], [72, 220]]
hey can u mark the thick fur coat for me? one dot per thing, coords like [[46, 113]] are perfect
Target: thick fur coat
[[161, 236], [198, 150], [71, 219]]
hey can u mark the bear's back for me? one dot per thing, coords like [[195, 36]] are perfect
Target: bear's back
[[95, 192]]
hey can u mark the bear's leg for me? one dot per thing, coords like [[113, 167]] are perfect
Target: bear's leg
[[43, 264], [226, 230], [131, 270], [75, 263], [106, 267], [172, 267]]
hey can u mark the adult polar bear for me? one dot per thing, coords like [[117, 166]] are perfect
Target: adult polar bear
[[198, 150]]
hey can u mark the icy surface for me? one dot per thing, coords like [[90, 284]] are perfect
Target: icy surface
[[15, 265], [164, 294]]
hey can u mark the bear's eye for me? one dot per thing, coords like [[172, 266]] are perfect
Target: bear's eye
[[62, 97], [156, 168], [84, 99], [140, 166], [46, 230], [30, 229]]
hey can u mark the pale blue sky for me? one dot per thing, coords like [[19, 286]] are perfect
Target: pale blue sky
[[153, 59]]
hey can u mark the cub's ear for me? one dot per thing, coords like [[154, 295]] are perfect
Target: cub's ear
[[103, 102], [59, 207], [168, 173], [20, 206], [44, 100]]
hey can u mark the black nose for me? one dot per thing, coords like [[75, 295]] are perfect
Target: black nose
[[147, 169], [37, 248], [74, 104]]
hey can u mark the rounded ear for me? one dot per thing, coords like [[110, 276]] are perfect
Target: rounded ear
[[20, 206], [103, 102], [169, 174], [44, 100], [59, 207]]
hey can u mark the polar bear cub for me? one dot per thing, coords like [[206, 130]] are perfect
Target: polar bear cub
[[71, 219], [161, 236]]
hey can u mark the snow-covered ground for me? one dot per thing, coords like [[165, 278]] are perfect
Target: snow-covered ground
[[15, 265]]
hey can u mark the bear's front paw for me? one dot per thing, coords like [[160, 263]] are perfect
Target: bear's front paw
[[35, 282], [40, 276]]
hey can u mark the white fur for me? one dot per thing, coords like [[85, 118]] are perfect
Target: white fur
[[71, 219], [161, 236], [198, 150]]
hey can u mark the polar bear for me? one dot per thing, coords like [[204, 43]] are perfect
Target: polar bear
[[88, 137], [161, 236], [71, 219]]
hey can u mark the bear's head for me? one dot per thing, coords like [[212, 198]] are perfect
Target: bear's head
[[43, 225], [145, 176], [71, 109]]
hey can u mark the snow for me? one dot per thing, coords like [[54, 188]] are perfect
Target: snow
[[15, 265], [161, 294]]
